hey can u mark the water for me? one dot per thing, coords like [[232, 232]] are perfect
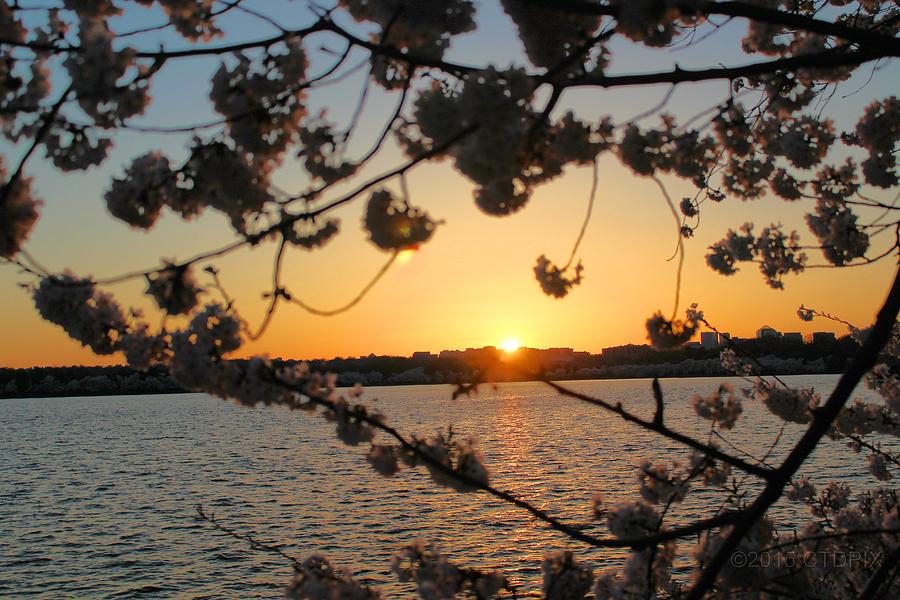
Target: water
[[98, 496]]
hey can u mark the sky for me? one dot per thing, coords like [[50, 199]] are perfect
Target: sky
[[472, 285]]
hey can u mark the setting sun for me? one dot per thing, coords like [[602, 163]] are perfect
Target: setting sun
[[510, 345]]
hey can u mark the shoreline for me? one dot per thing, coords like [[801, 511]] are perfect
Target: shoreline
[[168, 392]]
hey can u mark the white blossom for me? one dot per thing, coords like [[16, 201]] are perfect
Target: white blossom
[[564, 577], [835, 225], [322, 149], [800, 489], [878, 467], [722, 407], [422, 28], [138, 197], [794, 405], [88, 315], [263, 102], [439, 579], [174, 288], [197, 351], [714, 472], [732, 363], [667, 335], [316, 579], [191, 18], [18, 213], [393, 224], [635, 520], [882, 380], [878, 131], [384, 459], [223, 178], [553, 280], [549, 36], [74, 148], [144, 349], [659, 484], [736, 247], [461, 457], [96, 72], [806, 314], [312, 234], [349, 427]]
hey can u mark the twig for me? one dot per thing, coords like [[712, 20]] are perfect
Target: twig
[[254, 543]]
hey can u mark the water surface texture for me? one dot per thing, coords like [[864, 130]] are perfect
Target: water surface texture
[[98, 496]]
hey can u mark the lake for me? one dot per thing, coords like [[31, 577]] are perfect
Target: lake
[[98, 495]]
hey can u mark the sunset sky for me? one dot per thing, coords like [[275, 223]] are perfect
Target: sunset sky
[[472, 285]]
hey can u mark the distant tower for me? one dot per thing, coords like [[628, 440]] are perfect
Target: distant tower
[[709, 339]]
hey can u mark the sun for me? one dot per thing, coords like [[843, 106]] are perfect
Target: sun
[[510, 345]]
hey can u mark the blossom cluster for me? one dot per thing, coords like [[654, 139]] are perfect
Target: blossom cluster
[[215, 175], [393, 224], [18, 213], [87, 314], [437, 578], [665, 334], [174, 288], [191, 18], [262, 102], [506, 149], [722, 407], [550, 36], [97, 71], [668, 150], [565, 577], [553, 280], [777, 253], [322, 149], [316, 579], [789, 404], [311, 234]]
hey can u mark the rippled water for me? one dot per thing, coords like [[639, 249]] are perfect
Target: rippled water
[[98, 496]]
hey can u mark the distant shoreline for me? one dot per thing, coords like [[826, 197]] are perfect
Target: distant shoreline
[[169, 392], [769, 356]]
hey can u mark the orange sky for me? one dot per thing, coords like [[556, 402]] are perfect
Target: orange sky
[[472, 285]]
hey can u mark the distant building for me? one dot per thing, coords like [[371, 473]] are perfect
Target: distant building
[[767, 332], [423, 355], [628, 352], [794, 337], [819, 337], [724, 336], [709, 339]]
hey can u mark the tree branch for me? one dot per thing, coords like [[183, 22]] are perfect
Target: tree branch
[[864, 360], [720, 520], [829, 59], [752, 12], [662, 429]]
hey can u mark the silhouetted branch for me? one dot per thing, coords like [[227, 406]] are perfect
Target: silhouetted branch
[[664, 431], [254, 543], [823, 417], [753, 12], [47, 123], [412, 446]]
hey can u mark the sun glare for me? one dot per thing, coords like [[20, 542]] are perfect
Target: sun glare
[[510, 345], [405, 255]]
